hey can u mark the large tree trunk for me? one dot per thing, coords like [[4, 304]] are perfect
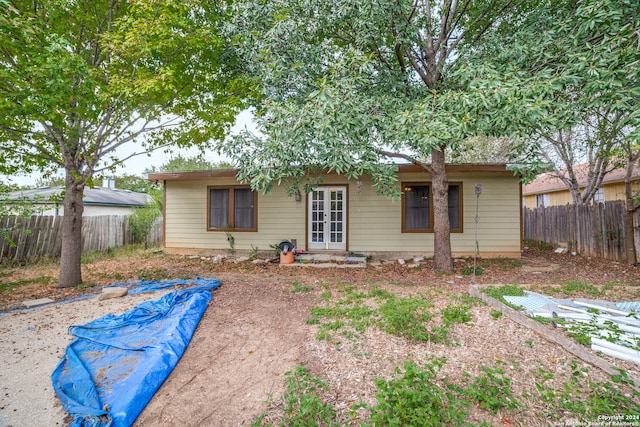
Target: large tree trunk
[[70, 270], [442, 260], [629, 230], [629, 237]]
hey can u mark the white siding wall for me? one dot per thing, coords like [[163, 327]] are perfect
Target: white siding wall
[[91, 210]]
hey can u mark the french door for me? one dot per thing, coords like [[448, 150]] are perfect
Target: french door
[[328, 219]]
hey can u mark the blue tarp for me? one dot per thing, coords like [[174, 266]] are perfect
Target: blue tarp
[[113, 367], [136, 287], [154, 285]]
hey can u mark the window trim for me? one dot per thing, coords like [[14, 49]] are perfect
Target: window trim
[[458, 184], [599, 196], [231, 189], [544, 198]]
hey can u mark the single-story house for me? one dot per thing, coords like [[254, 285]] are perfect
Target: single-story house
[[549, 190], [97, 200], [203, 209]]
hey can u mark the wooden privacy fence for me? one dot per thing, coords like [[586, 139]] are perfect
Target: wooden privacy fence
[[40, 236], [593, 230]]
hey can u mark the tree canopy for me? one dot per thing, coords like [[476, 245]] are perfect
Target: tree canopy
[[592, 49], [350, 86], [79, 79], [181, 163], [592, 52]]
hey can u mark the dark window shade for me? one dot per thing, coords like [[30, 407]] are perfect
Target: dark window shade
[[417, 213], [219, 208], [243, 208], [232, 208], [454, 206]]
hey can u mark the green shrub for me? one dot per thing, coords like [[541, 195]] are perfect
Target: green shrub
[[499, 293], [468, 270], [298, 287], [302, 402], [406, 317], [456, 314], [491, 391], [141, 222], [413, 398], [253, 255]]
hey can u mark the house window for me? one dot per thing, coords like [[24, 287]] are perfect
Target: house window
[[232, 208], [598, 197], [542, 200], [417, 212]]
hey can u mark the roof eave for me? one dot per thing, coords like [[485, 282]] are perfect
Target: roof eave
[[401, 168], [191, 175]]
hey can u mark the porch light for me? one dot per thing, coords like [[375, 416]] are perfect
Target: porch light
[[298, 195]]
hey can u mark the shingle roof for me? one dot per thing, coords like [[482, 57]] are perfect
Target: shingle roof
[[97, 196], [548, 182]]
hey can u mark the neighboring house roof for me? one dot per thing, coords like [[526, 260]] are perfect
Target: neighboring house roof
[[97, 196], [548, 182]]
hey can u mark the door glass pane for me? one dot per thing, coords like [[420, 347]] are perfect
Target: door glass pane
[[317, 216], [336, 216], [218, 208]]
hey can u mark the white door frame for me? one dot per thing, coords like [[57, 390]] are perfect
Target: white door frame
[[327, 218]]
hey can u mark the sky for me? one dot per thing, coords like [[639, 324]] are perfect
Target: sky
[[138, 164]]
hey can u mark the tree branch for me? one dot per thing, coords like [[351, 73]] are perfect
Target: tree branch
[[409, 158]]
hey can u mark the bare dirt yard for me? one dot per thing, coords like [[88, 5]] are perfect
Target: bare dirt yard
[[332, 346]]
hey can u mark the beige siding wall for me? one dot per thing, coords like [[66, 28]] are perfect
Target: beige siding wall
[[616, 191], [279, 217], [560, 198], [374, 222], [613, 191], [529, 201], [556, 198]]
